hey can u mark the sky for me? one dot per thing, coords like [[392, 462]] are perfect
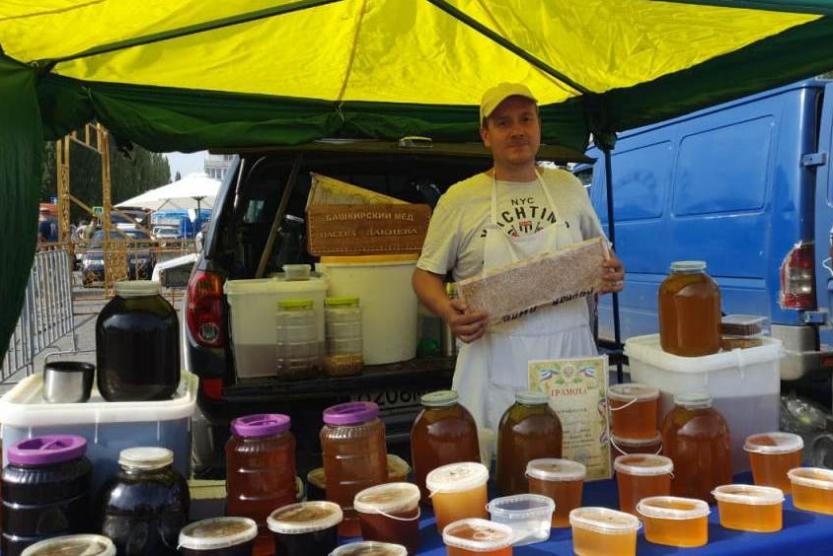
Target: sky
[[186, 163]]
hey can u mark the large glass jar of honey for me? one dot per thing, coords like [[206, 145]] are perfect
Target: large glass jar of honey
[[689, 311], [696, 438], [528, 430]]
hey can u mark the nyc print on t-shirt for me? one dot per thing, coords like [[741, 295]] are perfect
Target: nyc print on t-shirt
[[523, 215]]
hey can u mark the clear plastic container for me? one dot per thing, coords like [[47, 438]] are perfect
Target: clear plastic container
[[72, 545], [355, 456], [641, 476], [260, 470], [750, 507], [529, 516], [528, 430], [390, 513], [696, 438], [343, 317], [297, 349], [306, 528], [633, 410], [603, 532], [689, 311], [296, 272], [444, 432], [219, 536], [772, 455], [478, 536], [369, 548], [561, 480], [458, 491], [674, 521], [812, 489], [745, 326]]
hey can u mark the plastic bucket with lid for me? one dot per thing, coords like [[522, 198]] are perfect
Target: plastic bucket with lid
[[458, 491], [305, 528], [562, 480], [750, 507], [633, 410], [640, 476], [369, 548], [772, 455], [529, 515], [72, 545], [478, 536], [219, 536], [390, 513], [389, 304], [603, 531], [812, 489], [675, 521]]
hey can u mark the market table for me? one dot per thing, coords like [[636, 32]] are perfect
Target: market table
[[804, 533]]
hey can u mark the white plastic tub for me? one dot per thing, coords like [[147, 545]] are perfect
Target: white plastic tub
[[389, 305], [109, 427], [529, 516], [254, 304], [745, 384]]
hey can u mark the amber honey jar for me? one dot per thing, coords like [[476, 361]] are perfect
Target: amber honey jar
[[689, 311]]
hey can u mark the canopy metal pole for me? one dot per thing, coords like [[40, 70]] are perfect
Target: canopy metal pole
[[611, 233]]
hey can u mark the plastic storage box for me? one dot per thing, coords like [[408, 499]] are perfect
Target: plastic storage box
[[745, 384], [108, 427]]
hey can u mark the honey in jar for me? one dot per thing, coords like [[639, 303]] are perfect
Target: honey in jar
[[478, 537], [458, 491], [696, 438], [812, 489], [750, 507], [560, 479], [674, 521], [625, 446], [633, 410], [689, 311], [772, 455], [355, 456], [603, 532], [641, 476], [444, 432], [528, 430]]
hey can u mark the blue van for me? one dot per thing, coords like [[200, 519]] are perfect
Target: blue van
[[745, 186]]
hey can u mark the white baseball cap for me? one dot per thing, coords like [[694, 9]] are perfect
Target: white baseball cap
[[500, 92]]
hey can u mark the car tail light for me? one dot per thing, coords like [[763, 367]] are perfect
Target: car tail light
[[798, 281], [205, 309], [212, 388]]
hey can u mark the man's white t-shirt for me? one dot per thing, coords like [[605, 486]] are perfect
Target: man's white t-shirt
[[457, 231]]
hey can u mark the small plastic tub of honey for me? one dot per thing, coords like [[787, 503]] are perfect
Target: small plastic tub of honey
[[675, 521], [368, 548], [641, 476], [750, 507], [771, 455], [559, 479], [625, 446], [458, 491], [812, 489], [398, 469], [478, 537], [602, 531], [390, 513], [633, 410]]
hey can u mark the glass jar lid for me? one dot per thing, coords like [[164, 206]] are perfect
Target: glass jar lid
[[217, 533], [440, 398], [688, 266], [351, 413], [47, 450], [693, 400], [146, 458], [263, 424], [295, 304], [136, 288], [343, 301], [529, 397]]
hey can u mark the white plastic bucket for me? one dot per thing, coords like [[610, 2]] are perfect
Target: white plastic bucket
[[389, 304]]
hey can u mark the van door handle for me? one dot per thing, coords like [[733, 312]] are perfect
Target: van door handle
[[814, 159]]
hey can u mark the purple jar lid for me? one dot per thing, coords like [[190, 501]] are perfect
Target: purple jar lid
[[47, 450], [351, 413], [263, 424]]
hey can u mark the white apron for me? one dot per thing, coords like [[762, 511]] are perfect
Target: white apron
[[492, 368]]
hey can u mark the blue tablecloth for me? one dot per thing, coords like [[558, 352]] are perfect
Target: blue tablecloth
[[804, 534]]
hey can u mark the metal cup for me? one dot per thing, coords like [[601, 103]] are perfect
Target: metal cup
[[67, 381]]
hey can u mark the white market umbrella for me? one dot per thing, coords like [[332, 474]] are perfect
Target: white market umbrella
[[191, 192]]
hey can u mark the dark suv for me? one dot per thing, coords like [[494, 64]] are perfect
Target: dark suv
[[244, 214]]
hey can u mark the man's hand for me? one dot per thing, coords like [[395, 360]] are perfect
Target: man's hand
[[466, 325], [613, 275]]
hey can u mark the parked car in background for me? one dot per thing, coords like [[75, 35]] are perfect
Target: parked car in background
[[140, 257]]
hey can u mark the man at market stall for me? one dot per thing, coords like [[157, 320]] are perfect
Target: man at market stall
[[515, 210]]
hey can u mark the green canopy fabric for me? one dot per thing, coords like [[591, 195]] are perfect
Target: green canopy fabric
[[192, 74]]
